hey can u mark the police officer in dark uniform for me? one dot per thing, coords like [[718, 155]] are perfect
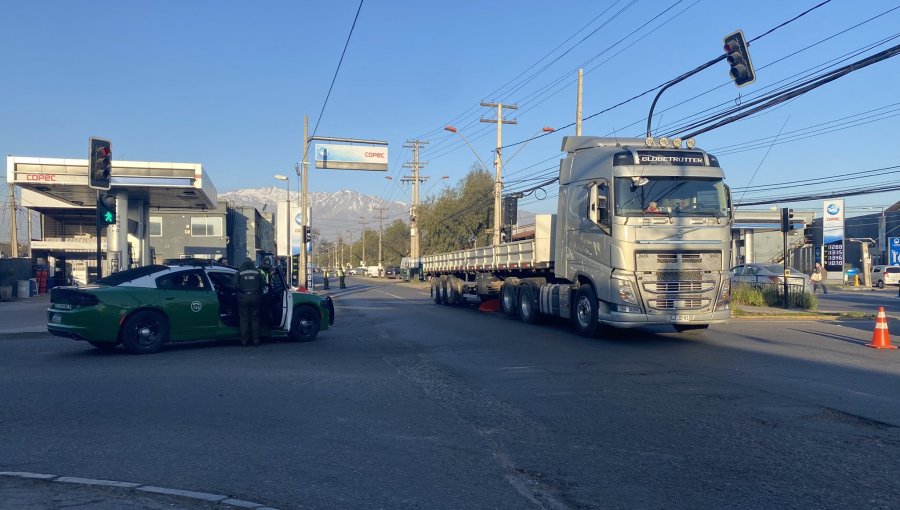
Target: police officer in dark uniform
[[249, 284]]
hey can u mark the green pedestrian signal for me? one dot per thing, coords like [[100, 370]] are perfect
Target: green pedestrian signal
[[106, 209]]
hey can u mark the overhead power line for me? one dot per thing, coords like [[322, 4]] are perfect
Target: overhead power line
[[648, 91], [341, 61]]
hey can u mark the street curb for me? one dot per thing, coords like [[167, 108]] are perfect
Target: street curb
[[219, 499]]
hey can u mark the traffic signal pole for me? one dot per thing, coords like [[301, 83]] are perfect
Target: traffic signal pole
[[99, 253]]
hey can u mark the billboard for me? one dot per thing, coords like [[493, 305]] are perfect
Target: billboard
[[352, 157], [894, 247], [833, 236]]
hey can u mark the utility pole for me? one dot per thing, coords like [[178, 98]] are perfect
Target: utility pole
[[13, 240], [380, 233], [305, 273], [365, 226], [498, 163], [578, 102], [415, 165]]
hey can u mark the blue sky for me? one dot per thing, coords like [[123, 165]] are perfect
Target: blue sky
[[227, 84]]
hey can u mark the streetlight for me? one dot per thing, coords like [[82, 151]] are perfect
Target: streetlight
[[498, 183], [454, 130], [287, 224], [443, 178], [545, 129]]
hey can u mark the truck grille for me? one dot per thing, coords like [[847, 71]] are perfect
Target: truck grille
[[684, 265], [677, 286], [679, 303], [678, 281]]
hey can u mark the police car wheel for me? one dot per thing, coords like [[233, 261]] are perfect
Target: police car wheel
[[144, 332], [305, 324]]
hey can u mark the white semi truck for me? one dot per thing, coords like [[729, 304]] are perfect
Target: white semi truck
[[642, 236]]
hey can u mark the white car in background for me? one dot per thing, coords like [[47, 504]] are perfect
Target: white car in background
[[885, 275], [769, 274]]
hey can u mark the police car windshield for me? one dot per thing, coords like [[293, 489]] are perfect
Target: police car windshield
[[670, 196]]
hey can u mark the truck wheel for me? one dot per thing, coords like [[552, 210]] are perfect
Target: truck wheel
[[436, 290], [691, 329], [508, 300], [527, 312], [585, 313]]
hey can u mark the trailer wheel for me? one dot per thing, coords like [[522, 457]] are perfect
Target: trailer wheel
[[527, 311], [585, 312], [436, 290], [454, 294], [444, 279], [508, 299]]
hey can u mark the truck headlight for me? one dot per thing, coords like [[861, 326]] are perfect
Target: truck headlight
[[724, 295], [626, 291]]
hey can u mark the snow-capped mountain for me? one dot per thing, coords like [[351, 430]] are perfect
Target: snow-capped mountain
[[332, 213]]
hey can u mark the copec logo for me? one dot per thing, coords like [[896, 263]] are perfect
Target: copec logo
[[379, 155], [833, 209], [40, 177]]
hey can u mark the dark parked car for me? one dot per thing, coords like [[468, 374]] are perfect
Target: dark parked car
[[392, 272]]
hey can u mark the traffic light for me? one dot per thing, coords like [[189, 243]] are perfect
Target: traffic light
[[295, 265], [738, 57], [787, 219], [106, 209], [307, 234], [99, 163], [510, 210]]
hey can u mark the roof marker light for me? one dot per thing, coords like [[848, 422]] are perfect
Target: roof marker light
[[676, 142], [649, 141], [663, 142], [691, 143]]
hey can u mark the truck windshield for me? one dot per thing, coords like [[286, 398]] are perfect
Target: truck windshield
[[670, 196]]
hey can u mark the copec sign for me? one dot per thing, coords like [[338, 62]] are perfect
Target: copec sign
[[352, 157]]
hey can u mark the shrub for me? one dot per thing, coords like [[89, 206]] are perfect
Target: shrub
[[770, 295], [742, 294]]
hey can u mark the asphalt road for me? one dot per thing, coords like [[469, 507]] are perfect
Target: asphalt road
[[860, 300], [409, 404]]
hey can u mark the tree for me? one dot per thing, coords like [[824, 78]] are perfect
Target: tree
[[459, 217]]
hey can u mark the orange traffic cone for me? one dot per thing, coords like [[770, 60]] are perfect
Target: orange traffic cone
[[881, 339]]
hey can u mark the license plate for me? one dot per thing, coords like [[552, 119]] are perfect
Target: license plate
[[56, 318], [681, 318]]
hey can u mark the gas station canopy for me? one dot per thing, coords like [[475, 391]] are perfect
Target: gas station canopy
[[159, 185]]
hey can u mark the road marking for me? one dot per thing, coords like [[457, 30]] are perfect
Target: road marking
[[89, 481], [205, 496], [392, 295], [183, 493]]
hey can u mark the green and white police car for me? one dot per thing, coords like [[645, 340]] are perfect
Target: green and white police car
[[146, 307]]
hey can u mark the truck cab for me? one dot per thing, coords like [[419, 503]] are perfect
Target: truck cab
[[647, 227]]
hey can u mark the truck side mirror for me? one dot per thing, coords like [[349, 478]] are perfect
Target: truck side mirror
[[599, 209]]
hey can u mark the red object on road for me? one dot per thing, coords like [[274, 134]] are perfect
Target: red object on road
[[881, 338], [491, 305]]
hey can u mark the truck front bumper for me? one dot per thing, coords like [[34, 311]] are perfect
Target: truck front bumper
[[631, 320]]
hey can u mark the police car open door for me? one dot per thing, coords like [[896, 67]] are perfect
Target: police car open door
[[281, 315]]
